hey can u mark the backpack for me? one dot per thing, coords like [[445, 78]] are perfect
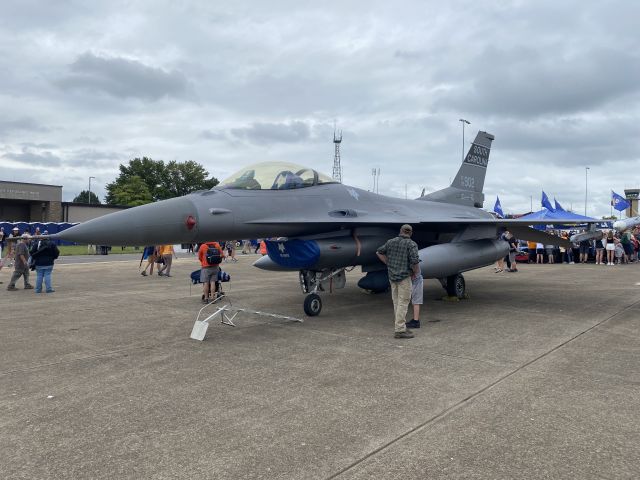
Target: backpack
[[213, 255], [55, 251]]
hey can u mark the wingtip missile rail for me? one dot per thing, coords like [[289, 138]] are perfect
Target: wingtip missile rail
[[622, 225], [589, 235]]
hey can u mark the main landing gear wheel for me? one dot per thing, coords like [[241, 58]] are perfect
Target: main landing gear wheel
[[312, 304], [456, 286]]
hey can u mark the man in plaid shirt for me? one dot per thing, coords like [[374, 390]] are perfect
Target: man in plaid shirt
[[400, 255]]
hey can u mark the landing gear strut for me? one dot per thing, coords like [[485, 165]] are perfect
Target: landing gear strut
[[311, 282], [455, 286]]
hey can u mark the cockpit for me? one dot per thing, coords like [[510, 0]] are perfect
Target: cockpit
[[275, 176]]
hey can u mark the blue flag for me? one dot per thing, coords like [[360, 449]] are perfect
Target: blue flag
[[618, 202], [498, 208], [546, 203], [558, 206]]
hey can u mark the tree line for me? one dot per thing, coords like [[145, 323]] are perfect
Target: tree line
[[144, 180]]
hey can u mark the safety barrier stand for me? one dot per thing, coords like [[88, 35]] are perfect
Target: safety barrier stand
[[226, 318]]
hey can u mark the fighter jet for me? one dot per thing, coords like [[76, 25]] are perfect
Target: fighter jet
[[322, 228]]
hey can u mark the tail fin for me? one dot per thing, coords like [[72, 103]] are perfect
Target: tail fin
[[466, 188]]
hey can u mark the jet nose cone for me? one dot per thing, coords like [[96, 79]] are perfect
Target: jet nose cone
[[165, 222]]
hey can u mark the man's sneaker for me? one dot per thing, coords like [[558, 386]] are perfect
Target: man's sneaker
[[406, 334], [12, 288], [144, 274], [50, 291], [28, 287], [413, 324]]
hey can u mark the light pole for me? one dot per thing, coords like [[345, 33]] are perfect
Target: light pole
[[463, 121], [531, 203], [90, 189], [586, 177], [376, 180]]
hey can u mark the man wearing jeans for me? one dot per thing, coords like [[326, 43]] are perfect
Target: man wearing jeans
[[400, 255], [44, 253]]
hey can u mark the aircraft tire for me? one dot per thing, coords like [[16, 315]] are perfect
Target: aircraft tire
[[456, 286], [312, 305]]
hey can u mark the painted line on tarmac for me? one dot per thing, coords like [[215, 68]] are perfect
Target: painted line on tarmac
[[470, 398], [94, 263]]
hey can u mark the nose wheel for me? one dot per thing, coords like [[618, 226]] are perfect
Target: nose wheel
[[312, 304]]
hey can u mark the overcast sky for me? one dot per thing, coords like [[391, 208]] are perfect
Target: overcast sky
[[86, 86]]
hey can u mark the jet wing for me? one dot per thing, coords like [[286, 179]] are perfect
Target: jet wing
[[345, 218], [538, 236]]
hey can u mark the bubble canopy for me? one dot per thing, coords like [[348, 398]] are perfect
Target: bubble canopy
[[275, 176]]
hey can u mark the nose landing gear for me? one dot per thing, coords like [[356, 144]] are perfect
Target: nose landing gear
[[312, 304], [313, 281]]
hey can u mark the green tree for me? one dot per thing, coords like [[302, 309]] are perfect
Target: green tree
[[84, 197], [132, 192], [183, 178], [162, 180]]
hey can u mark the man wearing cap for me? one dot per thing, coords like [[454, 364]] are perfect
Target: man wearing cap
[[400, 255], [21, 268], [11, 247]]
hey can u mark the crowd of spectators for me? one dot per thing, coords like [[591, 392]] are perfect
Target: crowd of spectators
[[614, 248]]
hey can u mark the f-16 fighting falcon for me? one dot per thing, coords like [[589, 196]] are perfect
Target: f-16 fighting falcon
[[323, 228]]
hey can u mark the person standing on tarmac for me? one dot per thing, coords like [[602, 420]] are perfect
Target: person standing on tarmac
[[210, 256], [400, 255], [44, 253]]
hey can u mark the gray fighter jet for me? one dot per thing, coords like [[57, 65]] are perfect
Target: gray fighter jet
[[322, 228]]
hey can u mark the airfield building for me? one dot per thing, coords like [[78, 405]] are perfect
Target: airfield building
[[36, 202], [632, 195]]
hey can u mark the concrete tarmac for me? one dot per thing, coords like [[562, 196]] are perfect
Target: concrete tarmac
[[537, 375]]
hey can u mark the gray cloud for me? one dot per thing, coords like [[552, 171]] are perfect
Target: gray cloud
[[524, 82], [29, 157], [210, 135], [21, 124], [41, 146], [123, 78], [266, 133], [87, 157]]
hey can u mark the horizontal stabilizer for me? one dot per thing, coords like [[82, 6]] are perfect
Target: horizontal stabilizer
[[533, 235]]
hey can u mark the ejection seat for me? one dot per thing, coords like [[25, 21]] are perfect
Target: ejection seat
[[287, 180]]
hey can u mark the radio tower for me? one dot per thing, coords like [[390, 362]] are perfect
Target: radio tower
[[337, 169]]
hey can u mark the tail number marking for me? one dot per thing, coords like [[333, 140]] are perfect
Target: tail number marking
[[467, 182]]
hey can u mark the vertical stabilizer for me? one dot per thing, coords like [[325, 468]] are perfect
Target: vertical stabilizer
[[466, 188]]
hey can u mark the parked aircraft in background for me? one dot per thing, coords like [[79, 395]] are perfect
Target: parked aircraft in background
[[321, 228]]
